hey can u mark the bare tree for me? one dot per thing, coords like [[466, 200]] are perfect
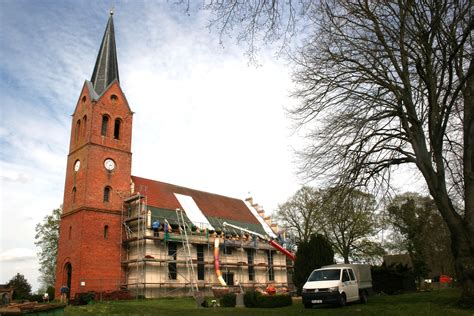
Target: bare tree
[[345, 217], [349, 223], [260, 21], [381, 84], [300, 215], [393, 84]]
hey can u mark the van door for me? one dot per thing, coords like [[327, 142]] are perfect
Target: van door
[[354, 285], [349, 286], [345, 285]]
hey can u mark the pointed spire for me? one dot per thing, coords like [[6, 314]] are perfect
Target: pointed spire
[[106, 66]]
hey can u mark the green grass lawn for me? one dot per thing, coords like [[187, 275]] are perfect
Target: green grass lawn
[[440, 302]]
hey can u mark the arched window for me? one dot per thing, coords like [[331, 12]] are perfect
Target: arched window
[[67, 276], [107, 194], [106, 231], [70, 232], [73, 195], [117, 128], [77, 131], [105, 125], [113, 99], [84, 125], [84, 99]]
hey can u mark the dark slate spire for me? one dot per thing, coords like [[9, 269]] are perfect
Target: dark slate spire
[[106, 66]]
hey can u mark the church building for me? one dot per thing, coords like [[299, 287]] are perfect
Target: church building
[[124, 232]]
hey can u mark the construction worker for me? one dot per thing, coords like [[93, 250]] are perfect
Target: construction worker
[[64, 291], [271, 290], [155, 226]]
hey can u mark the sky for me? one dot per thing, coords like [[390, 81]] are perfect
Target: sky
[[204, 117]]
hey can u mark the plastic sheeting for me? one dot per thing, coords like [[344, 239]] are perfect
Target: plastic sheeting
[[265, 226], [193, 212]]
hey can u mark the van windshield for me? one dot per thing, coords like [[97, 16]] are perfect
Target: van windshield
[[325, 275]]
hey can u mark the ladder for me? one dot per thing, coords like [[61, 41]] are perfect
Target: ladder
[[187, 252]]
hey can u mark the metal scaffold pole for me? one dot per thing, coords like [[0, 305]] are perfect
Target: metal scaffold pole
[[187, 252]]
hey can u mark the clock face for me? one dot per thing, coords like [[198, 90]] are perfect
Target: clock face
[[109, 164], [77, 165]]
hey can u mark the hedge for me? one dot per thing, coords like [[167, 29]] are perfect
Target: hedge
[[228, 300], [256, 299]]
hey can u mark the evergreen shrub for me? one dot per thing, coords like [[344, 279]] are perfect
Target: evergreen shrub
[[314, 254]]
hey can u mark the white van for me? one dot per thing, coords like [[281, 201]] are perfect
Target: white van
[[337, 284]]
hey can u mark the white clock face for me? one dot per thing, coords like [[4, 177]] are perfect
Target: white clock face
[[109, 164], [77, 165]]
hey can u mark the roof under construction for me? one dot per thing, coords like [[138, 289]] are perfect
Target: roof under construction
[[164, 198]]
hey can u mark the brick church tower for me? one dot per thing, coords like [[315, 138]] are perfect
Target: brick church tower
[[97, 178]]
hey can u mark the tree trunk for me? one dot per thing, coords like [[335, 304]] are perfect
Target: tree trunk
[[464, 257], [346, 257], [464, 264], [462, 237]]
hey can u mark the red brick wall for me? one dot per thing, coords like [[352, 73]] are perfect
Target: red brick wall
[[95, 260], [91, 149]]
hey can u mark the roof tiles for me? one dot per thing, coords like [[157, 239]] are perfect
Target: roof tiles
[[161, 195]]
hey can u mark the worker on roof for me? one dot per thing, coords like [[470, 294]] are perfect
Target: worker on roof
[[155, 226]]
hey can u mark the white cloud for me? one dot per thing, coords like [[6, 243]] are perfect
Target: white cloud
[[17, 255]]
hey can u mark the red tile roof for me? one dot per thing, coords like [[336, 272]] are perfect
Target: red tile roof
[[161, 195]]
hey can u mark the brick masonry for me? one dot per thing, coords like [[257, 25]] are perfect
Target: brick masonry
[[90, 235]]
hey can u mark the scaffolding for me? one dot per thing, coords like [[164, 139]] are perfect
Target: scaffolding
[[149, 256], [183, 229], [134, 223]]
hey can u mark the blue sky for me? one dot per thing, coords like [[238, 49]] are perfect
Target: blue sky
[[204, 118]]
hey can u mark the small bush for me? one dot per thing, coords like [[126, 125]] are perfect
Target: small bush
[[84, 298], [256, 299], [207, 302], [228, 300], [36, 298]]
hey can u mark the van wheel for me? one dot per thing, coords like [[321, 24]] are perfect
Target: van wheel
[[363, 297], [307, 305], [342, 300]]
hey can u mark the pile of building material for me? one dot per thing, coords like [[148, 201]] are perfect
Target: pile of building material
[[32, 308]]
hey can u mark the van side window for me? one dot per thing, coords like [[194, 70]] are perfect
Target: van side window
[[345, 276], [351, 274]]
